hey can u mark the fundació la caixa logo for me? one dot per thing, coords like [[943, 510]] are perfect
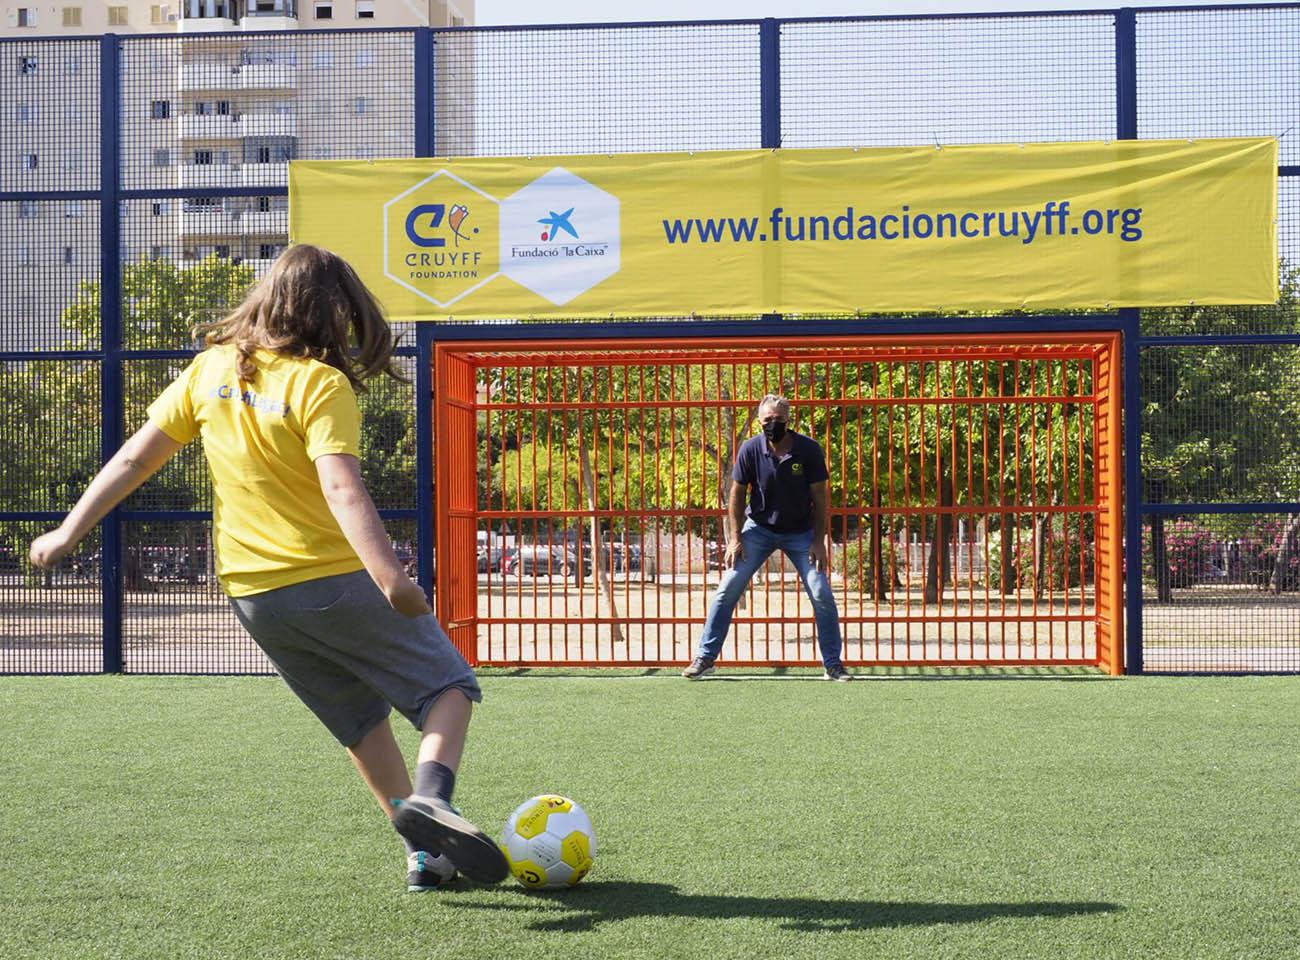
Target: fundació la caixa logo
[[441, 238], [558, 236]]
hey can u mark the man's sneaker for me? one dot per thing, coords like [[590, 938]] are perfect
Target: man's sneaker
[[700, 668], [837, 673], [432, 824], [427, 871]]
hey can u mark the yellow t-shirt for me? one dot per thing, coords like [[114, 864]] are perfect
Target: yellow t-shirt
[[271, 524]]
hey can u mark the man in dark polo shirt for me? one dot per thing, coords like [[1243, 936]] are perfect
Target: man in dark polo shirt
[[788, 510]]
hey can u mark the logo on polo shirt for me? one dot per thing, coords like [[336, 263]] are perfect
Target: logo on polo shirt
[[796, 468]]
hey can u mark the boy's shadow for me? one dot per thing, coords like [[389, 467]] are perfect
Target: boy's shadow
[[592, 904]]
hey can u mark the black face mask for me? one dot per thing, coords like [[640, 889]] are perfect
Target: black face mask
[[774, 430]]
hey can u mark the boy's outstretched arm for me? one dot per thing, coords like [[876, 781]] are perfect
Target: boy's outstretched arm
[[140, 458], [349, 501]]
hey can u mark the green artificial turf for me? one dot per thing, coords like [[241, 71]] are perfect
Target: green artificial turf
[[1057, 817]]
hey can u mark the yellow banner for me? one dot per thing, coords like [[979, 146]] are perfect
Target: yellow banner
[[843, 231]]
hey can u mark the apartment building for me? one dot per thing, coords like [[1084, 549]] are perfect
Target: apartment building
[[215, 95]]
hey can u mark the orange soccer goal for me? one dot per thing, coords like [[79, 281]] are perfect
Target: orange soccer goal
[[975, 498]]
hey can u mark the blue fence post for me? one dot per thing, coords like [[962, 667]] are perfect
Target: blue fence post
[[769, 82], [1126, 123], [111, 405], [424, 147]]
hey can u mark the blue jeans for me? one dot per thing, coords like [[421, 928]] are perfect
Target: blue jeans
[[760, 543]]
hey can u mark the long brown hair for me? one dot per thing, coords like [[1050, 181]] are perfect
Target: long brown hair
[[311, 303]]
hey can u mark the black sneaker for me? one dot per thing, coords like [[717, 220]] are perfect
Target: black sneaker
[[837, 673], [431, 824], [427, 871], [700, 668]]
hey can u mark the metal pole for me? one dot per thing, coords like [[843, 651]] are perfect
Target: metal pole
[[111, 399], [1127, 129]]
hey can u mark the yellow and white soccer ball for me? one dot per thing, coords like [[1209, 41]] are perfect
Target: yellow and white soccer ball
[[549, 842]]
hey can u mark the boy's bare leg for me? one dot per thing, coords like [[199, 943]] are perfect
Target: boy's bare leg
[[381, 764], [427, 820], [445, 727]]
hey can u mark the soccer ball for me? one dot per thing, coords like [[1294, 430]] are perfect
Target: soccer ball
[[549, 842]]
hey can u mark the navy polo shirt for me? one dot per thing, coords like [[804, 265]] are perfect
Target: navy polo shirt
[[780, 497]]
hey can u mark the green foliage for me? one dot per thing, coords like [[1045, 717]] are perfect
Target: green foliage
[[1208, 411], [856, 562]]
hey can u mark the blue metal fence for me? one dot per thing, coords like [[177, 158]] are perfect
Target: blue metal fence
[[194, 131]]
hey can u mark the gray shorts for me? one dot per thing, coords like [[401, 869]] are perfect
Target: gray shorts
[[348, 654]]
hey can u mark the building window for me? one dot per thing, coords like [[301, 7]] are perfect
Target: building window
[[31, 161], [222, 250], [24, 112], [162, 157], [203, 158], [365, 58], [361, 105], [262, 155], [25, 257], [26, 66], [160, 109], [324, 11], [161, 208], [457, 21], [159, 252], [117, 16], [72, 163], [322, 58], [72, 66], [222, 108], [158, 13], [365, 9], [67, 256], [267, 251], [72, 16], [73, 209], [28, 209], [26, 17]]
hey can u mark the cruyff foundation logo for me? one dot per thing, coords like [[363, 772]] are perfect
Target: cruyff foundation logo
[[440, 238]]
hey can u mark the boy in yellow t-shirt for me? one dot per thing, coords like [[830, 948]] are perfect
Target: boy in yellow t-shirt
[[301, 551]]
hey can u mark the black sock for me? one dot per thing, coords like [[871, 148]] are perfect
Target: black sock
[[432, 779]]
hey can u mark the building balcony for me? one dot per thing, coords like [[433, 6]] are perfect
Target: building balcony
[[209, 127], [233, 126], [206, 25], [264, 174], [209, 223], [193, 176], [264, 223], [268, 76], [208, 76], [268, 22], [267, 125]]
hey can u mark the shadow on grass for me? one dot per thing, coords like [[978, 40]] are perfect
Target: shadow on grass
[[593, 904]]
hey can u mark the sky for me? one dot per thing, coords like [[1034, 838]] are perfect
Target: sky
[[498, 12]]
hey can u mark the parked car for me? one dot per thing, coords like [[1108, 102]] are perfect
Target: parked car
[[490, 560], [541, 560]]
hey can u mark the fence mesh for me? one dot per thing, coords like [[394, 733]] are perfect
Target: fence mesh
[[1221, 593], [1013, 79], [597, 90], [208, 123]]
